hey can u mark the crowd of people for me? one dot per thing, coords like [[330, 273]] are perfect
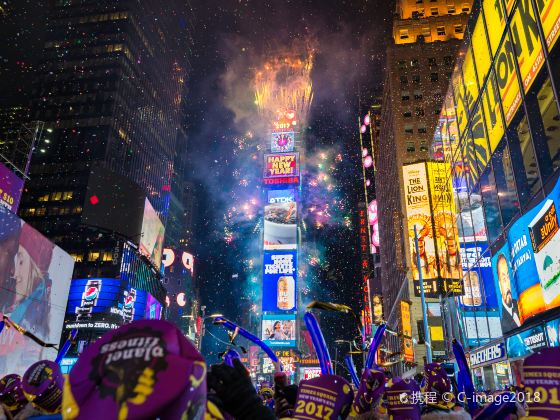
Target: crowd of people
[[148, 370]]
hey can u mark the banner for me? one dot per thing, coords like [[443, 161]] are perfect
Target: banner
[[279, 330], [279, 165], [279, 281], [11, 188]]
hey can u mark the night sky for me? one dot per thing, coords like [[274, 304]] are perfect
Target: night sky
[[231, 39]]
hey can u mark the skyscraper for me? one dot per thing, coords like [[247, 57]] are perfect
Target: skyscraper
[[110, 88], [426, 35]]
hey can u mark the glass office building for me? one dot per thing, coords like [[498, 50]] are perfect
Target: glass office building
[[499, 131]]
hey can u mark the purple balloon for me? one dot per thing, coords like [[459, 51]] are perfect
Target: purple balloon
[[319, 343]]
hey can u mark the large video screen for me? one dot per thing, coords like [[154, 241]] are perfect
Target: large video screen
[[114, 203], [34, 281], [151, 239], [527, 268], [279, 330], [280, 219], [10, 189], [279, 281]]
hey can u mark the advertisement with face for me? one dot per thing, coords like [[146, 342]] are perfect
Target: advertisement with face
[[279, 330], [34, 281], [280, 220], [479, 285], [279, 281], [10, 189], [151, 239], [505, 290]]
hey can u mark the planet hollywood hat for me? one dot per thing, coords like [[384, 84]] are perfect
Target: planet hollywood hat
[[435, 385], [143, 370], [327, 396], [11, 394], [42, 385], [403, 400]]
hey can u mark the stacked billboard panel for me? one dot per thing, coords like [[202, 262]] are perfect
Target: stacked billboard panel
[[281, 176]]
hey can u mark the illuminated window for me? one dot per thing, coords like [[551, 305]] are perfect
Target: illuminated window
[[43, 198], [77, 210], [426, 31], [434, 11], [466, 9], [440, 30], [410, 148], [93, 256], [451, 10], [423, 146], [404, 34], [30, 212], [107, 256], [458, 29], [77, 257], [56, 196], [67, 195], [41, 211]]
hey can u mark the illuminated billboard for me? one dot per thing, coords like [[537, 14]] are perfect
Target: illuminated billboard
[[281, 165], [429, 200], [178, 281], [282, 142], [279, 281], [151, 238], [11, 188], [34, 281], [406, 331], [478, 283], [279, 330], [280, 220], [527, 268]]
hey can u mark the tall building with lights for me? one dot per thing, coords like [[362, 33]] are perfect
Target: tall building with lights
[[426, 37], [110, 92]]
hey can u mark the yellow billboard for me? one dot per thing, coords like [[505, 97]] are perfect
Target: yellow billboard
[[469, 79], [481, 53], [406, 324], [549, 12], [506, 76], [495, 22], [528, 48], [493, 116]]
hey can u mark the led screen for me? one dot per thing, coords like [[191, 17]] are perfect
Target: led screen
[[151, 239], [279, 281], [279, 330], [34, 281], [280, 220]]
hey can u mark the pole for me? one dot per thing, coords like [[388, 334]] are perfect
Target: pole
[[427, 339]]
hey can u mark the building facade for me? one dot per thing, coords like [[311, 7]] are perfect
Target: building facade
[[426, 37], [498, 133]]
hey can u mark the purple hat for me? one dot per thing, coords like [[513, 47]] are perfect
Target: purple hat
[[11, 393], [435, 385], [42, 384], [403, 399], [327, 396], [143, 370]]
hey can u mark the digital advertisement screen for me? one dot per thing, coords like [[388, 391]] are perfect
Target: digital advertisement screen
[[280, 219], [178, 281], [553, 332], [527, 268], [480, 281], [279, 281], [11, 188], [480, 328], [114, 203], [282, 142], [92, 301], [151, 239], [34, 282], [526, 342], [153, 308], [279, 330], [278, 165]]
